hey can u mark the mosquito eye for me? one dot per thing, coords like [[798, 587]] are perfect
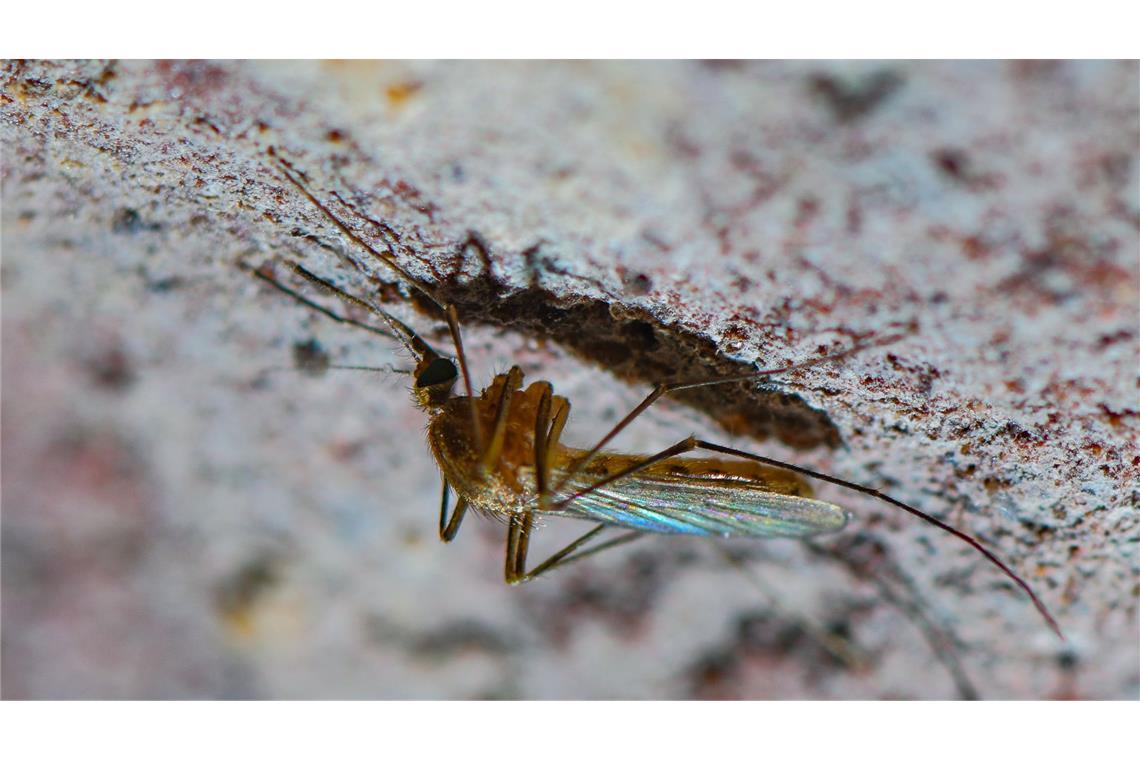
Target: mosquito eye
[[439, 371]]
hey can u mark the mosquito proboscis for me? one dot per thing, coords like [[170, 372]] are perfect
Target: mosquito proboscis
[[501, 452]]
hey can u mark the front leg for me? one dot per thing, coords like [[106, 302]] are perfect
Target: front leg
[[449, 528]]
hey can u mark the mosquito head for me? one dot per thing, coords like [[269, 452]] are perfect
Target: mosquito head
[[435, 377]]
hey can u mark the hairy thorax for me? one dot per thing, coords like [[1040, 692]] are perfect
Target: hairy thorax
[[506, 484]]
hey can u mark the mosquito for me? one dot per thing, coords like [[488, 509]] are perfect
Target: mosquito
[[501, 452]]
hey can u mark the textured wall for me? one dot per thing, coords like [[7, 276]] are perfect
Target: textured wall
[[185, 514]]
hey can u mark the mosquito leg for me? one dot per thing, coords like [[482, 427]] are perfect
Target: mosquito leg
[[561, 414], [542, 429], [681, 447], [894, 502], [457, 339], [515, 529], [561, 408], [452, 528], [387, 257], [667, 388], [519, 532], [461, 355], [692, 442], [553, 411], [494, 447], [547, 429], [443, 522], [564, 557], [449, 528], [523, 545]]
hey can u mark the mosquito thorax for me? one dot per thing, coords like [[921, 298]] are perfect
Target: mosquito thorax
[[435, 377]]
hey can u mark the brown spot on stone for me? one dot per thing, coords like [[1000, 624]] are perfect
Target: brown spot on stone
[[237, 596], [112, 370], [401, 92]]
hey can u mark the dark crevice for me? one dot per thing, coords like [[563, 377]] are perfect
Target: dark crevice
[[628, 341], [634, 347]]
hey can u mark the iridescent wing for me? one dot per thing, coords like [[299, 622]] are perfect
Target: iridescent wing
[[704, 497]]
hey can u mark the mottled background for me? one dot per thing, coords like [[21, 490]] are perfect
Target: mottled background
[[192, 509]]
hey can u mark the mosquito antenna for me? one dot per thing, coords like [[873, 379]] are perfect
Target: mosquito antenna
[[313, 304], [389, 259], [406, 335], [385, 256], [906, 507], [385, 370]]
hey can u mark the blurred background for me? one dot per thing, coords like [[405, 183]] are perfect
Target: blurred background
[[193, 508]]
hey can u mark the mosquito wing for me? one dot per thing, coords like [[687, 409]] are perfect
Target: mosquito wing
[[704, 497]]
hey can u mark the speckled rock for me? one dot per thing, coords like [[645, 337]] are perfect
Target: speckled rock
[[192, 507]]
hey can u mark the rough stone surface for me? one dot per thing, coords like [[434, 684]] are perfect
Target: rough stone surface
[[192, 509]]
